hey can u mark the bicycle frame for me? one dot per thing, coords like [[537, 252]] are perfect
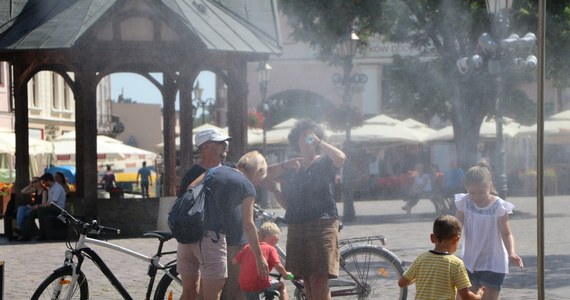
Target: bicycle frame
[[350, 281], [355, 284], [81, 250]]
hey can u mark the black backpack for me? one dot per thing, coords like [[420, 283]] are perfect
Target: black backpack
[[186, 218]]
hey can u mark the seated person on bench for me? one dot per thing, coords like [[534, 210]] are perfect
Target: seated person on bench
[[24, 217], [46, 213]]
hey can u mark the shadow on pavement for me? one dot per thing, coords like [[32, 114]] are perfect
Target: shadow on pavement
[[556, 273]]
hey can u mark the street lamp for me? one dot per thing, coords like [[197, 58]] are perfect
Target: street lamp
[[198, 92], [501, 53], [263, 72], [346, 50]]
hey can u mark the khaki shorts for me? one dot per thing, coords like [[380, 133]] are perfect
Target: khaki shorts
[[312, 248], [207, 258]]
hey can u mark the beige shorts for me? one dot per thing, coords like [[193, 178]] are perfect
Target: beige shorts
[[312, 248], [207, 258]]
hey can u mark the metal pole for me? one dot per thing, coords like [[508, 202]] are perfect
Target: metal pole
[[502, 162], [263, 90], [347, 95], [203, 103], [1, 279], [349, 213], [540, 147], [500, 28]]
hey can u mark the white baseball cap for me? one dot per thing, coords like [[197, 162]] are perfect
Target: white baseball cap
[[210, 135]]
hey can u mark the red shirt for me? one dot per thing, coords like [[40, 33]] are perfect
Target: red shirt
[[249, 281]]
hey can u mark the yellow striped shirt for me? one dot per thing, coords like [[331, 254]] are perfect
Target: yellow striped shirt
[[438, 276]]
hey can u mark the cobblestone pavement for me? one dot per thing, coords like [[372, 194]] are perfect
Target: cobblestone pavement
[[28, 263]]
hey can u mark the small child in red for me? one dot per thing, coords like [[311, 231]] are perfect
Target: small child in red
[[250, 283]]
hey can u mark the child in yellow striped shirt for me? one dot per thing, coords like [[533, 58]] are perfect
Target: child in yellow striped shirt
[[438, 274]]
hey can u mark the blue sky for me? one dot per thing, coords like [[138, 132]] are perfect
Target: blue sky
[[139, 89]]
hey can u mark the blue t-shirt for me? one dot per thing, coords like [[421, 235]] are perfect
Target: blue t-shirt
[[310, 192], [453, 178], [145, 174], [229, 187]]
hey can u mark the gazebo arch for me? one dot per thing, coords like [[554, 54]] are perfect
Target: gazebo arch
[[177, 38]]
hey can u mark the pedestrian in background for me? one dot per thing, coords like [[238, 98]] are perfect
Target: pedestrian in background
[[144, 174], [421, 187], [108, 180], [489, 244]]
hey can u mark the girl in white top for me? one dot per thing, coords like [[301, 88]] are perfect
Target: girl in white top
[[489, 244]]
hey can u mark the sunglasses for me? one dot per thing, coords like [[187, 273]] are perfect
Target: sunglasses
[[35, 181]]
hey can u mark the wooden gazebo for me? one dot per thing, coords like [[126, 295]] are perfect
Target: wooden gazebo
[[85, 40]]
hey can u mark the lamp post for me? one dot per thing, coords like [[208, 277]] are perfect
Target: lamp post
[[263, 72], [198, 92], [501, 53], [346, 50]]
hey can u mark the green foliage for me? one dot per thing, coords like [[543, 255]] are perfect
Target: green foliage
[[322, 23], [430, 85]]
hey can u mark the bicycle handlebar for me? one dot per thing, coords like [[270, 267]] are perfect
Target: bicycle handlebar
[[83, 227], [267, 217]]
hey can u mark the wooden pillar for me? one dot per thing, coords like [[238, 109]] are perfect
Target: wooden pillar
[[185, 84], [237, 108], [169, 134], [86, 140], [21, 128]]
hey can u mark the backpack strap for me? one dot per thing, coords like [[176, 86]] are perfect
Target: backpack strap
[[197, 180]]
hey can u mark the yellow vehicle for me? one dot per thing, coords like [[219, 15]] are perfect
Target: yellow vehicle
[[128, 183]]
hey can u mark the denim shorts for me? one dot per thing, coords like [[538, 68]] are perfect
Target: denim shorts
[[486, 278]]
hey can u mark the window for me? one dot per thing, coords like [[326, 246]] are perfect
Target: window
[[55, 79]]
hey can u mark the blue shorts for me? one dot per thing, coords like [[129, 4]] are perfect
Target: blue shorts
[[486, 278], [255, 295]]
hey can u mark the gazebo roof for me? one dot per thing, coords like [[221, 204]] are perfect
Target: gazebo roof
[[219, 25]]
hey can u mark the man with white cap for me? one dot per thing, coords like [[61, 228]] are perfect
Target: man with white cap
[[213, 148]]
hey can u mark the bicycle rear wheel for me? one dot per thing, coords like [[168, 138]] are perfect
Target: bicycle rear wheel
[[368, 272], [168, 288], [57, 285]]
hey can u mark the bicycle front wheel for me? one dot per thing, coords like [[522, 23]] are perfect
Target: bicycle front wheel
[[168, 288], [369, 272], [58, 286]]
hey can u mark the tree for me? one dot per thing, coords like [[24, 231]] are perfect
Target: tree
[[449, 34], [447, 29]]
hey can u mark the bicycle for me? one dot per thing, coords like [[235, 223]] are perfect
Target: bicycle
[[367, 270], [69, 281]]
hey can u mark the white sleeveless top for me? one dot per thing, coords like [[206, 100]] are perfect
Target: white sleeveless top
[[483, 248]]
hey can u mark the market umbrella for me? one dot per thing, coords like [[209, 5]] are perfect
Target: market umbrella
[[383, 129], [38, 150], [488, 130], [564, 115], [556, 131], [277, 135], [109, 151]]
